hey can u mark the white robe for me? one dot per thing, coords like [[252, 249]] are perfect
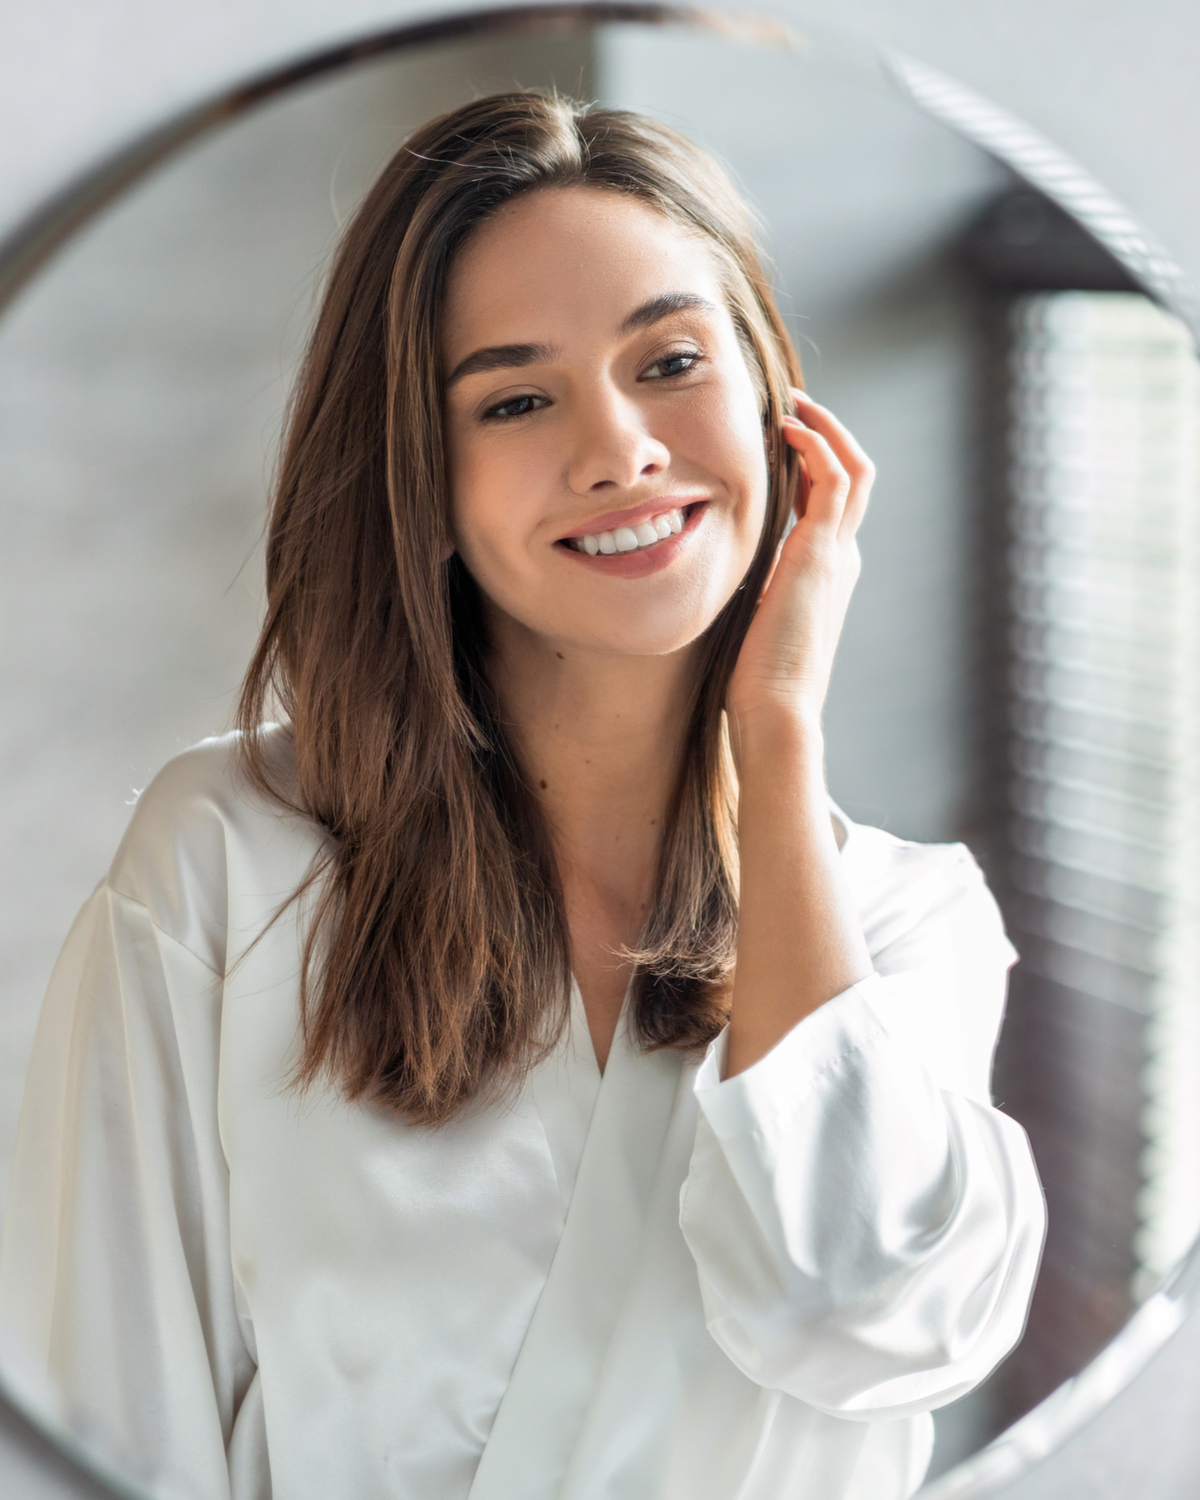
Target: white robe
[[651, 1285]]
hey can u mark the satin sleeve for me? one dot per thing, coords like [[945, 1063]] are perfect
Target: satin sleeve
[[866, 1227], [116, 1287]]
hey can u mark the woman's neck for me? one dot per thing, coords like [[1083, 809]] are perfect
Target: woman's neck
[[599, 737]]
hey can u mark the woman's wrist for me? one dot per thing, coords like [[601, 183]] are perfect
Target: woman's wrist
[[777, 742], [799, 938]]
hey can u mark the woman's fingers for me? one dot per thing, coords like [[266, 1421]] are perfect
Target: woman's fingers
[[840, 438], [828, 482], [849, 454], [788, 650]]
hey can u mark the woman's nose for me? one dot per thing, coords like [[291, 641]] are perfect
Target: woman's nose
[[613, 448]]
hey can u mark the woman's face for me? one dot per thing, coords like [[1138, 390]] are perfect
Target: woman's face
[[607, 463]]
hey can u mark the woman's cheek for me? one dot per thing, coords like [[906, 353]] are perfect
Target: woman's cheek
[[726, 434], [491, 530], [478, 486]]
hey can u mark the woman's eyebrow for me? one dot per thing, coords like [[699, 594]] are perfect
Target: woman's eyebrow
[[513, 356], [663, 306], [502, 357]]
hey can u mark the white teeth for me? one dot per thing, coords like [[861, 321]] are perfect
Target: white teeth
[[646, 533]]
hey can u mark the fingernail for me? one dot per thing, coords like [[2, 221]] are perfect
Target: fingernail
[[804, 396]]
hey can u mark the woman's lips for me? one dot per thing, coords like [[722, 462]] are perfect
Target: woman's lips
[[633, 514], [648, 533], [646, 560]]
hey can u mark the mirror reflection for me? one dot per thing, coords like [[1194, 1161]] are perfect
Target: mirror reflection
[[1016, 670]]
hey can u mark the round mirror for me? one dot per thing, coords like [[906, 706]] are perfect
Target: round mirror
[[1018, 671]]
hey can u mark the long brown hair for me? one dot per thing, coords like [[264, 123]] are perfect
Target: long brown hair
[[437, 962]]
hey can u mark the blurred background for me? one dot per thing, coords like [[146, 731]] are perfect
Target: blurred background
[[1019, 669]]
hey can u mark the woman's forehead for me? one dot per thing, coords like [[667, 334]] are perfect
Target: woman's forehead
[[578, 254]]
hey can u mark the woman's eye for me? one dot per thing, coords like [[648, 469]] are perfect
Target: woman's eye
[[673, 364], [515, 406]]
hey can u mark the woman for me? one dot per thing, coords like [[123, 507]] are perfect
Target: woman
[[506, 1078]]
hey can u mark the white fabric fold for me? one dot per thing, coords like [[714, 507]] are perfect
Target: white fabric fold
[[554, 1379], [856, 1229], [115, 1266]]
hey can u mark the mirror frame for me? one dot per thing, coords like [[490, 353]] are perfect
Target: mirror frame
[[1032, 157]]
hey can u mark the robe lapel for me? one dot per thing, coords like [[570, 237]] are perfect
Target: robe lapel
[[556, 1373], [564, 1089]]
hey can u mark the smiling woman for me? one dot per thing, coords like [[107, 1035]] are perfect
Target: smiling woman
[[647, 1147], [624, 416]]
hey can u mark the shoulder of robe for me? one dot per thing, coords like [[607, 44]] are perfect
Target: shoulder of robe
[[901, 885], [207, 853]]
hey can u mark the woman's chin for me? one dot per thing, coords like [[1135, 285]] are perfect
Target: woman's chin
[[660, 639], [605, 628]]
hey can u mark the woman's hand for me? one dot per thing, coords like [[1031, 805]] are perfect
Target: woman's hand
[[786, 658], [800, 941]]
